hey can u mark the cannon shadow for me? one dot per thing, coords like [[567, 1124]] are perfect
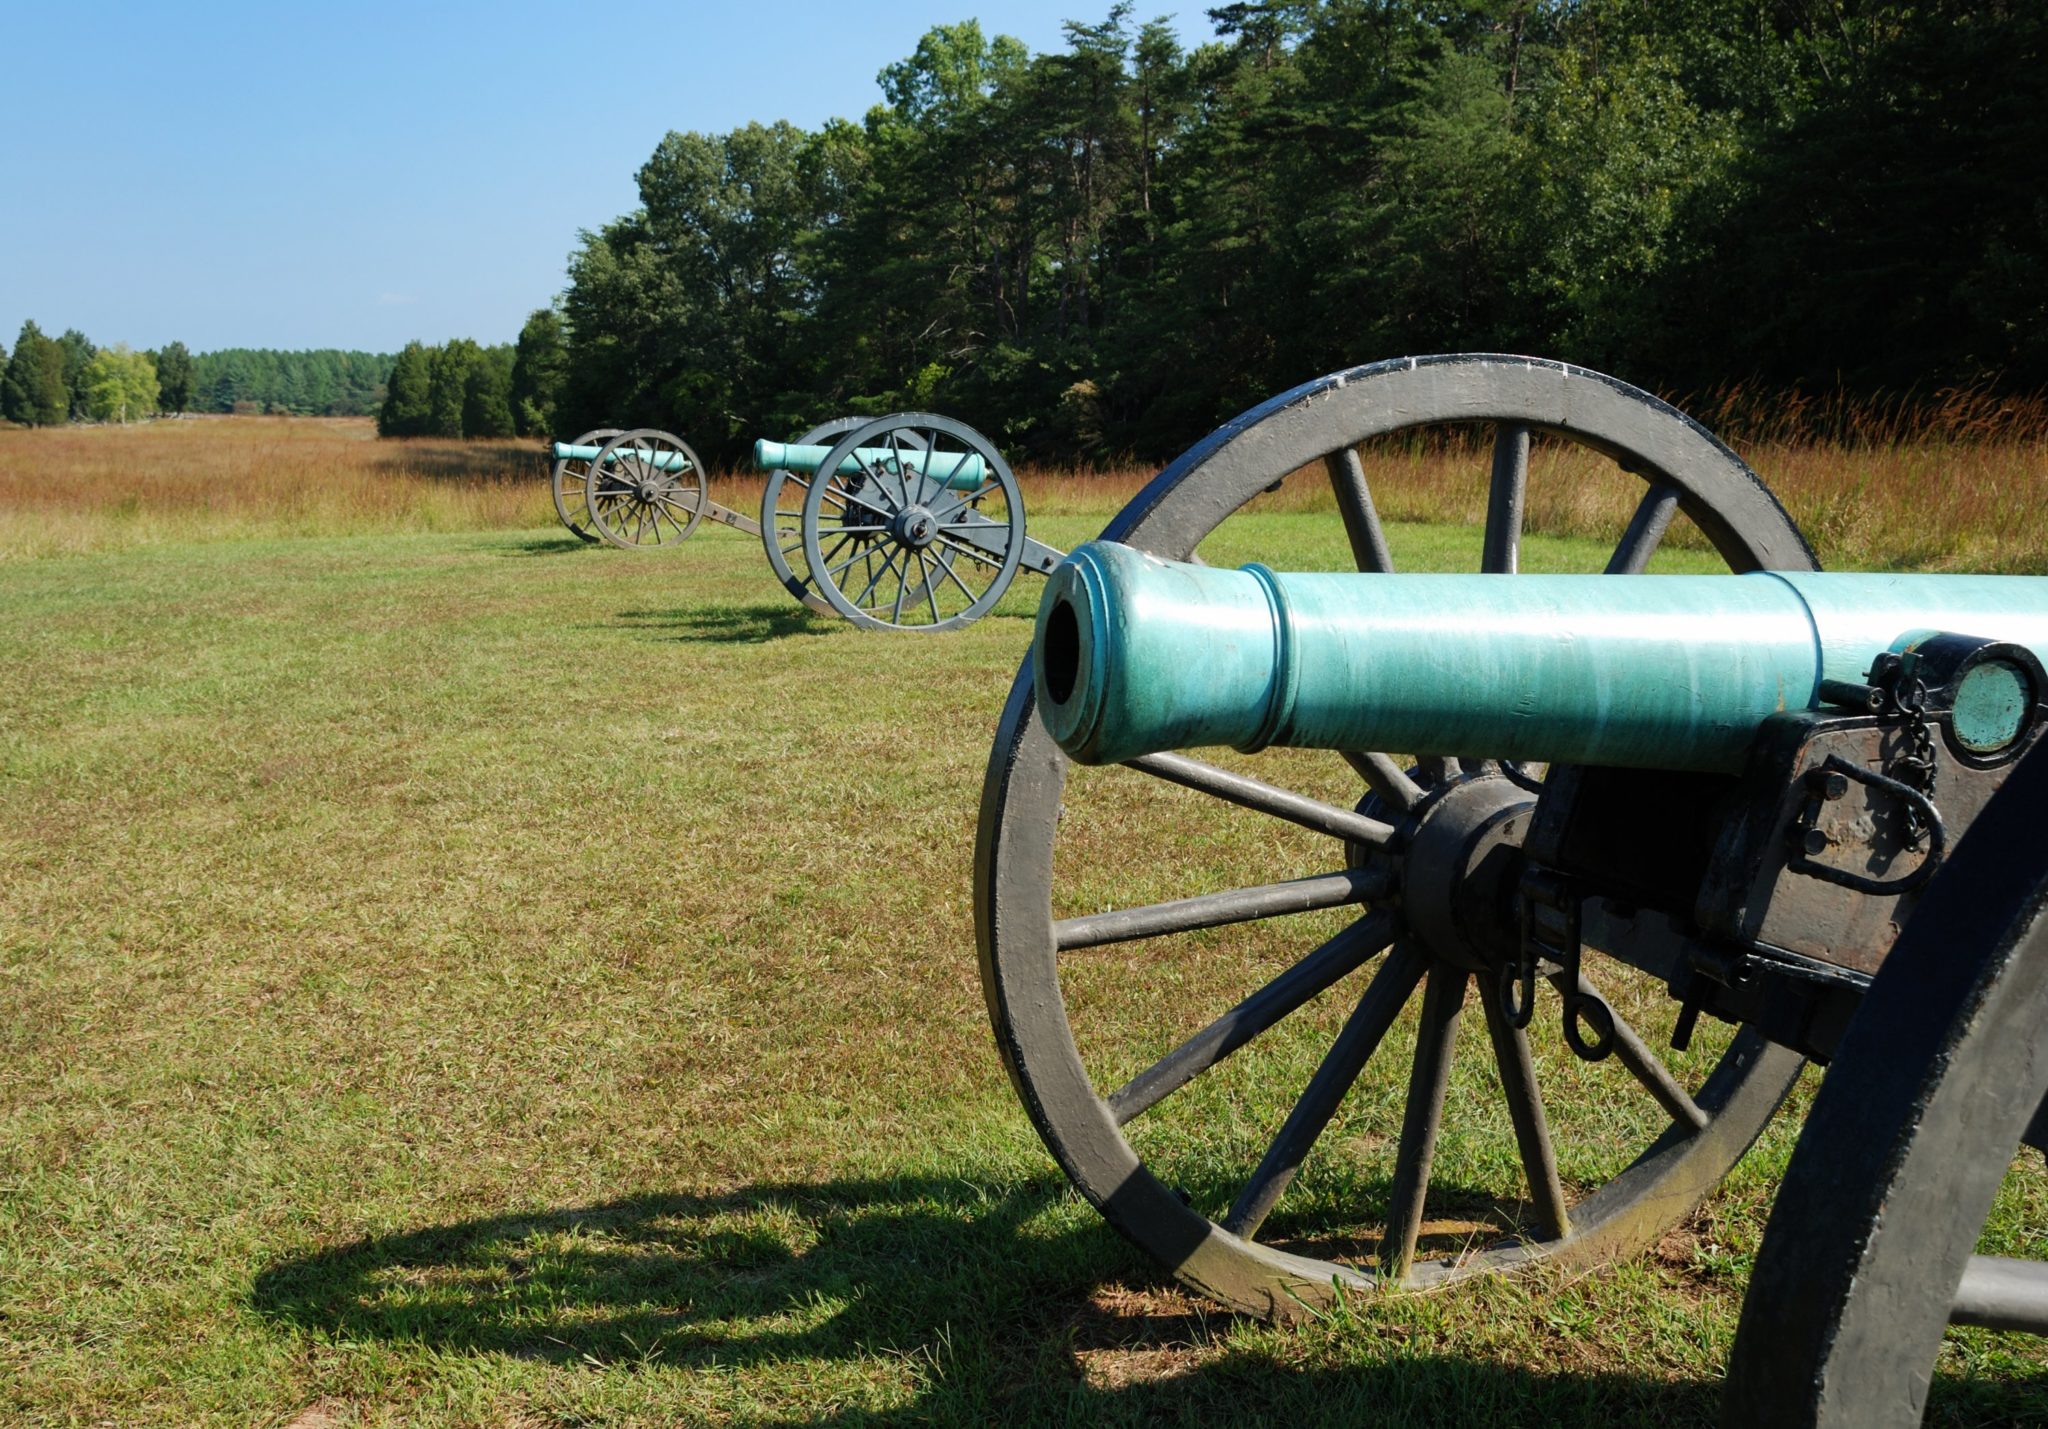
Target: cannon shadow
[[737, 624], [1022, 1325], [758, 1274], [542, 546]]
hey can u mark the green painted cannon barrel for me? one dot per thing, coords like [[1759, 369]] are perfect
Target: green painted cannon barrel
[[1136, 655], [667, 461], [959, 471]]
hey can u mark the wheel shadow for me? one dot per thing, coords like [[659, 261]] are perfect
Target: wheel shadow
[[742, 624], [1016, 1323], [761, 1274]]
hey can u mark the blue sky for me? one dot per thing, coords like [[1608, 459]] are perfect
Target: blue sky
[[289, 175]]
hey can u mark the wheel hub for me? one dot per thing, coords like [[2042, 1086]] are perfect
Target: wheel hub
[[915, 527], [648, 490], [1463, 864]]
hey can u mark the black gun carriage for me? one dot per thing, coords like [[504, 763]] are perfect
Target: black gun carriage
[[1702, 859]]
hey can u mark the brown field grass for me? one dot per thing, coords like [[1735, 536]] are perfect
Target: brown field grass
[[75, 489], [1955, 485]]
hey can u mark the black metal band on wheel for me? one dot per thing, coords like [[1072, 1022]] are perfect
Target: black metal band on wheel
[[1026, 797], [1867, 1255]]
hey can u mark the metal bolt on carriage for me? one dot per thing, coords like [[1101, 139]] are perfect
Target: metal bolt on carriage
[[917, 523], [1662, 837]]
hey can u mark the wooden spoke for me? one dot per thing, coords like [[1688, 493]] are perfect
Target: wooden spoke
[[1525, 1109], [1645, 529], [1250, 793], [1213, 910], [1506, 495], [1368, 1023], [1438, 769], [941, 516], [1386, 779], [1443, 997], [1307, 979], [1644, 1065], [1361, 521]]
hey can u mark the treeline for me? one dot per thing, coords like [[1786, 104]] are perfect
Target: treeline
[[461, 389], [1111, 248], [325, 382], [467, 390], [49, 380]]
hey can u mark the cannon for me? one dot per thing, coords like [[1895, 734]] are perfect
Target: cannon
[[918, 526], [1662, 826]]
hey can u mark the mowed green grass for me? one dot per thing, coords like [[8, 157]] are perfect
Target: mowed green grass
[[477, 979]]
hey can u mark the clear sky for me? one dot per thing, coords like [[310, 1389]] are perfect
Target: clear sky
[[234, 174]]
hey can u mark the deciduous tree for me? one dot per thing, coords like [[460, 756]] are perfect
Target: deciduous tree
[[120, 385], [539, 366]]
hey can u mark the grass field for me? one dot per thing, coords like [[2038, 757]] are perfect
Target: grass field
[[453, 975]]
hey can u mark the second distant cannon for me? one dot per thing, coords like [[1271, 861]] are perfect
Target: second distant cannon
[[907, 522]]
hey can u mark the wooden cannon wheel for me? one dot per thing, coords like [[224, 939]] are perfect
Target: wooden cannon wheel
[[645, 489], [891, 545], [782, 515], [566, 485], [1867, 1255], [1158, 1135]]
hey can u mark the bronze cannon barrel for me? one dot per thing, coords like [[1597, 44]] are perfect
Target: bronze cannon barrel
[[1137, 655]]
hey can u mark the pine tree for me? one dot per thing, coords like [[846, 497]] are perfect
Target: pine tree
[[487, 395], [15, 383], [174, 377], [448, 382], [32, 391], [78, 354], [404, 413]]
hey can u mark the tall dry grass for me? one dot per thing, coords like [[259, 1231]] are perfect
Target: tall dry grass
[[74, 489], [1954, 480], [1957, 483]]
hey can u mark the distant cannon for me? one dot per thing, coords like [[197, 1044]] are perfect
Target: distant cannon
[[1700, 808], [919, 526]]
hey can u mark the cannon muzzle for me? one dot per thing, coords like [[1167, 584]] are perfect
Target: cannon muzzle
[[954, 471], [1136, 655]]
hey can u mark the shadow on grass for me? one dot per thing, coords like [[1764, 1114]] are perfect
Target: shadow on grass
[[730, 624], [1007, 1313], [546, 546]]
